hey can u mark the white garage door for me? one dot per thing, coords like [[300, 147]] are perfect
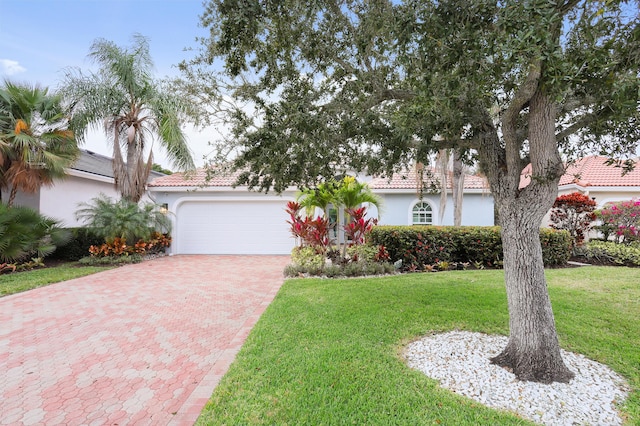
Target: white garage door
[[232, 227]]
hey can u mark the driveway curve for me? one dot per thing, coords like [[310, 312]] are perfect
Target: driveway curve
[[142, 344]]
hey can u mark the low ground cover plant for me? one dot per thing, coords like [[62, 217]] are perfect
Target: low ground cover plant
[[609, 252], [327, 351]]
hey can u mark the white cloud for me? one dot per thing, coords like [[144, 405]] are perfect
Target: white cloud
[[10, 67]]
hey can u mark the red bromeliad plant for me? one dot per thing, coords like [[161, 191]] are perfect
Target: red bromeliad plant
[[574, 213]]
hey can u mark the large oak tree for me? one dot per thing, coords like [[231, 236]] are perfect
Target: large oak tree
[[374, 85]]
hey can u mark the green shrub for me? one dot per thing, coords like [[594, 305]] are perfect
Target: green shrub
[[25, 234], [416, 246], [307, 256], [123, 219], [421, 246], [556, 246], [362, 253], [611, 252], [477, 244], [78, 245]]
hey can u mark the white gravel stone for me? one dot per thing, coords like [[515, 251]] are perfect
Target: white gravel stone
[[459, 360]]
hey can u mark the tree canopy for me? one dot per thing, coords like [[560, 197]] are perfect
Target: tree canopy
[[134, 108], [36, 145], [375, 85]]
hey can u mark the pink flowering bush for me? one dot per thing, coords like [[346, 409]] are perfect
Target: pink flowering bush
[[622, 220]]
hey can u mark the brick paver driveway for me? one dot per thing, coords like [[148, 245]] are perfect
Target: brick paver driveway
[[142, 344]]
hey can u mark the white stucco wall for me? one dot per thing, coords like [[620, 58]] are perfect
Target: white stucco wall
[[477, 209], [61, 200]]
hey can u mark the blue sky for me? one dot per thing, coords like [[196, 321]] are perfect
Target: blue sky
[[39, 38]]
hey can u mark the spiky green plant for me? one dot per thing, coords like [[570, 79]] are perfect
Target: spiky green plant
[[24, 233], [122, 219]]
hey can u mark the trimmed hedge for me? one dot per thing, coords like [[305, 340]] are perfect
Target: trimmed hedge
[[417, 246], [78, 245]]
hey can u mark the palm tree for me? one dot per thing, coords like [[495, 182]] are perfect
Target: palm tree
[[25, 233], [134, 110], [36, 147], [352, 193], [122, 219]]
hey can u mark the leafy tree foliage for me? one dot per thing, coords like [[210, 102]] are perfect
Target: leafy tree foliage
[[373, 86], [574, 213], [133, 108], [158, 168], [36, 146]]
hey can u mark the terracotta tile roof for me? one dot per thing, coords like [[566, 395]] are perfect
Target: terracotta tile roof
[[592, 171], [408, 179], [197, 178]]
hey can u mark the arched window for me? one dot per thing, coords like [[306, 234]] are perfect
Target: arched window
[[422, 214]]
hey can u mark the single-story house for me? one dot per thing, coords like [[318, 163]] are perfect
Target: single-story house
[[91, 175], [592, 176], [402, 205], [212, 217]]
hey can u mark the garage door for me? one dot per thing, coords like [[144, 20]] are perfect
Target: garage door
[[232, 227]]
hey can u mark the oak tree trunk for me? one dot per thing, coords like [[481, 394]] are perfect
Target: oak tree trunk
[[533, 351]]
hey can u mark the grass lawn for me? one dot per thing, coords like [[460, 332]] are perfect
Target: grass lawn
[[22, 281], [326, 352]]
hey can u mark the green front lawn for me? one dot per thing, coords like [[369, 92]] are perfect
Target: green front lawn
[[326, 352], [22, 281]]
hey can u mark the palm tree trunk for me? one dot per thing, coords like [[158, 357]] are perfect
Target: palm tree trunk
[[12, 195]]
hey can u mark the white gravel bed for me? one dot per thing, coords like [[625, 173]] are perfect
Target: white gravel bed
[[459, 360]]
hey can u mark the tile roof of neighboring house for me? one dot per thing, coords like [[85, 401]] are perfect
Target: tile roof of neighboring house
[[409, 179], [196, 178], [592, 171], [97, 164]]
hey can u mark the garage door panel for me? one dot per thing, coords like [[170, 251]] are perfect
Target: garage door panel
[[216, 227]]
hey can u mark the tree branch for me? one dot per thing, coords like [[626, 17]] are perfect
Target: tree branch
[[583, 121], [510, 118]]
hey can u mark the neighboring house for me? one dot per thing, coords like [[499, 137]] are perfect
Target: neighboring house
[[591, 176], [91, 175], [402, 204], [212, 217]]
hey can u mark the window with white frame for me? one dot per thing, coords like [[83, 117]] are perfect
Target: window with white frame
[[422, 214]]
